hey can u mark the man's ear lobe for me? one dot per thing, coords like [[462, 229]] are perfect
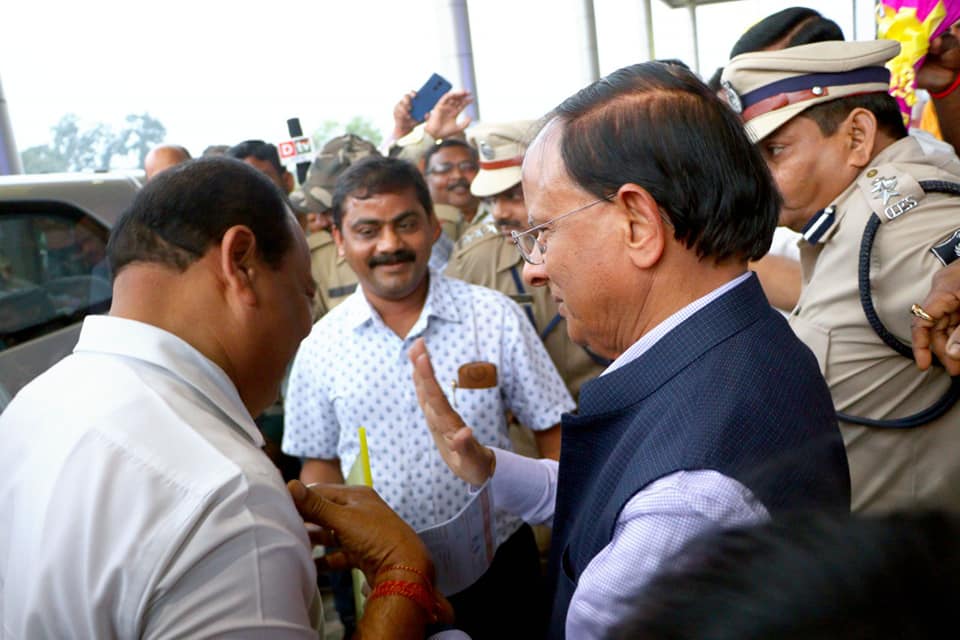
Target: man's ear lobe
[[646, 230], [861, 133], [238, 262]]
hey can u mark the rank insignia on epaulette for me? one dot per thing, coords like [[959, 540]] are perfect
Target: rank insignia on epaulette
[[885, 188], [948, 250]]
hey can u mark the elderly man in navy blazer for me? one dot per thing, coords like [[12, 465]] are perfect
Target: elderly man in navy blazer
[[646, 201]]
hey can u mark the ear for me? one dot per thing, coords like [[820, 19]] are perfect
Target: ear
[[338, 239], [860, 131], [239, 263], [288, 182], [437, 228], [645, 229]]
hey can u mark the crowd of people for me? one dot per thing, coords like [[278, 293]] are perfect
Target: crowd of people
[[681, 433]]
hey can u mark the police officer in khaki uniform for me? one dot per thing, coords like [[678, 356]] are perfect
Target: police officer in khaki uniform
[[413, 148], [879, 216], [334, 277], [485, 255]]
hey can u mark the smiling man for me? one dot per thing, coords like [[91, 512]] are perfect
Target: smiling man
[[450, 166], [647, 202], [353, 371], [876, 225]]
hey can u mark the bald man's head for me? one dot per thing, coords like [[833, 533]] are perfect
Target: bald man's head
[[164, 157]]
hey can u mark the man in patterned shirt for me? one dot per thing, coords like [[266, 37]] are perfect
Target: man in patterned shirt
[[353, 371]]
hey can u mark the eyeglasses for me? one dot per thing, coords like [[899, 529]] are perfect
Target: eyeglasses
[[530, 244], [465, 166]]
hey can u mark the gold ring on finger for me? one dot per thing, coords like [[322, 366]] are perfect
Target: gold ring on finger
[[918, 312]]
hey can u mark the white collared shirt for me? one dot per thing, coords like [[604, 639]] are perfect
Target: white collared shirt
[[353, 371], [655, 523], [137, 501]]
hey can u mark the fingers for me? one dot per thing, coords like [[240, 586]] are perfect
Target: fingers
[[323, 536], [424, 379], [953, 349], [440, 415], [920, 334], [444, 608], [318, 504], [334, 561]]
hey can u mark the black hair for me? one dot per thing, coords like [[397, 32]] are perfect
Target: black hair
[[829, 115], [808, 576], [714, 81], [215, 150], [447, 143], [798, 25], [186, 209], [658, 126], [258, 149], [374, 175]]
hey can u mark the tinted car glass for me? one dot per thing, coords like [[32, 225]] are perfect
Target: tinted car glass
[[53, 269]]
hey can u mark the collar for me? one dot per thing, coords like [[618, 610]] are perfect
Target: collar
[[441, 303], [824, 224], [319, 239], [153, 345], [508, 257], [650, 338]]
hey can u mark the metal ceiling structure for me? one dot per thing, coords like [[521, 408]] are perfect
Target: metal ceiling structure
[[691, 6]]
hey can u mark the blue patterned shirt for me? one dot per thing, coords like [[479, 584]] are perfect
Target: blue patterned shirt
[[353, 370]]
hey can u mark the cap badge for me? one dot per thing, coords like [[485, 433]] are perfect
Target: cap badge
[[487, 151], [733, 98], [884, 188]]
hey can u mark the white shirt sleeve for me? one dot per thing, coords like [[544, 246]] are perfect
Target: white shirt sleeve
[[311, 428], [525, 487], [654, 525], [241, 573]]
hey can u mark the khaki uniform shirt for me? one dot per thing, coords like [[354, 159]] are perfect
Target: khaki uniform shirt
[[485, 257], [334, 277], [451, 220], [890, 468]]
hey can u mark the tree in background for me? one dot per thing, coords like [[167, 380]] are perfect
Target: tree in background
[[358, 125], [96, 147]]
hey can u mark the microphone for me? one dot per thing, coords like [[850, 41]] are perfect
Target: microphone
[[296, 131]]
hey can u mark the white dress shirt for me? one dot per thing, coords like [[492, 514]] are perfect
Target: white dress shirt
[[137, 501], [353, 370], [654, 524]]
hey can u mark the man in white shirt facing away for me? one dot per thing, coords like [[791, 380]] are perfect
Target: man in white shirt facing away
[[137, 501]]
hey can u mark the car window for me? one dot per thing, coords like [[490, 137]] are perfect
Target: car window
[[53, 269]]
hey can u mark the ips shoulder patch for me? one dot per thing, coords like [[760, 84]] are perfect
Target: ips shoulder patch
[[948, 250]]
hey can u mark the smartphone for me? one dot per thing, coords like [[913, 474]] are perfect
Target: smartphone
[[428, 96]]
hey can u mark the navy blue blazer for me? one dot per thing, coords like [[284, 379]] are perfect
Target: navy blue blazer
[[730, 389]]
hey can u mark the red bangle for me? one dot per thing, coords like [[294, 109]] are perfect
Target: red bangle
[[411, 590], [943, 94], [408, 568]]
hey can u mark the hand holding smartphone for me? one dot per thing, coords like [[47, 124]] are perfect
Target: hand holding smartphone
[[427, 96]]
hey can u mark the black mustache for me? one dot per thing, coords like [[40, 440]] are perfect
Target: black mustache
[[459, 183], [508, 224], [404, 255]]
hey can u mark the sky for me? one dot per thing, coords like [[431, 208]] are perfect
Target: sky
[[216, 72]]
